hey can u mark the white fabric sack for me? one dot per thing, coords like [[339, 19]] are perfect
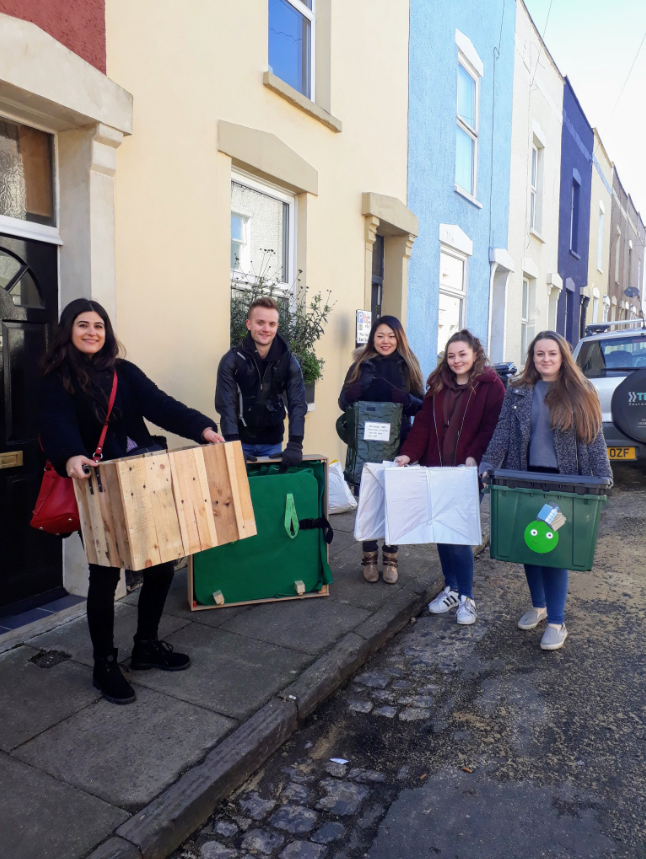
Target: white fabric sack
[[340, 497], [433, 505], [370, 523]]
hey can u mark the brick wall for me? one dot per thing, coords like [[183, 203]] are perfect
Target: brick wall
[[77, 24]]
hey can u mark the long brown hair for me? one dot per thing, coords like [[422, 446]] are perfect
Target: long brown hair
[[572, 399], [414, 380], [64, 358], [434, 382]]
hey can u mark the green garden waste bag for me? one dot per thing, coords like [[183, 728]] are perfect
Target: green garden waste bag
[[372, 432], [290, 545]]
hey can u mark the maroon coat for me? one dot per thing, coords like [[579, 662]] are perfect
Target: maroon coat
[[479, 407]]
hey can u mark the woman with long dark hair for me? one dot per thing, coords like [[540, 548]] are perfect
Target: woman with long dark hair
[[458, 418], [551, 423], [78, 373], [385, 370]]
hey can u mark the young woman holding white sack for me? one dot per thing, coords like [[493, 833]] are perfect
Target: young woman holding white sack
[[458, 418], [384, 371]]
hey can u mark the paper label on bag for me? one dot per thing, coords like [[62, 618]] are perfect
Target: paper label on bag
[[373, 431]]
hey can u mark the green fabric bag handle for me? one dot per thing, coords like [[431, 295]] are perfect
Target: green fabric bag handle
[[291, 519]]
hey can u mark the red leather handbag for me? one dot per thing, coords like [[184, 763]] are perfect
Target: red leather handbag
[[56, 510]]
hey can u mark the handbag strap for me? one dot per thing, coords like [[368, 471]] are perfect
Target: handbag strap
[[98, 453]]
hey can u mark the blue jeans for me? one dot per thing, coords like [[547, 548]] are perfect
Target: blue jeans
[[548, 587], [263, 449], [457, 566]]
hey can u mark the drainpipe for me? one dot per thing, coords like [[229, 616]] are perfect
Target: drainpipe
[[584, 310]]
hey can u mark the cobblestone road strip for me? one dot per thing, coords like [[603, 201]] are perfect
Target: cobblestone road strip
[[470, 742]]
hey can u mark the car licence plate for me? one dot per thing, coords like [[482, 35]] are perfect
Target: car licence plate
[[622, 453]]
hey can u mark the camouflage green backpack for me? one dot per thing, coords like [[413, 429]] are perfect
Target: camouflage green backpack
[[372, 432]]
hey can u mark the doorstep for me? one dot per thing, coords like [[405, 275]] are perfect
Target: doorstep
[[15, 629]]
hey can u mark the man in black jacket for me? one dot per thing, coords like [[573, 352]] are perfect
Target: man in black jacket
[[252, 379]]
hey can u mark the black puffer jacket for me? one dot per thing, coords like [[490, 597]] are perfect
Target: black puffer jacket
[[249, 394], [383, 379], [69, 427]]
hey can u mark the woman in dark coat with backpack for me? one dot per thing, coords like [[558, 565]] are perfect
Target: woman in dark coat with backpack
[[454, 427], [78, 374], [384, 371]]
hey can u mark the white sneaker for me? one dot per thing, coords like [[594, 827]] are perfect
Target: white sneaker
[[444, 601], [467, 611], [553, 637]]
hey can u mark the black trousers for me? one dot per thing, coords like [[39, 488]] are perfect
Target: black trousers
[[371, 546], [100, 604]]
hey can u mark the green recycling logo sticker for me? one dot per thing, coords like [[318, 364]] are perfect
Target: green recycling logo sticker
[[540, 537]]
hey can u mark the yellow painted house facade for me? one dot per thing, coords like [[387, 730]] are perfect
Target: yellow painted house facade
[[267, 137]]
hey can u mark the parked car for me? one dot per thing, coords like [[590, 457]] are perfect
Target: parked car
[[610, 353]]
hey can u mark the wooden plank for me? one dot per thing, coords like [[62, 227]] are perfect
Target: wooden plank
[[120, 529], [192, 500], [245, 519], [112, 555], [324, 592], [82, 492], [96, 518], [203, 508], [220, 493], [142, 535], [160, 486]]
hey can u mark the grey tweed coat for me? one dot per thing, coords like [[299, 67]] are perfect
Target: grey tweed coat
[[509, 445]]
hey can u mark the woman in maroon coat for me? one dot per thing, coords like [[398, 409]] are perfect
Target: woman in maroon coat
[[458, 418]]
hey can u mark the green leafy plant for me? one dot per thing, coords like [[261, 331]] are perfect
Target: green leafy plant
[[301, 320]]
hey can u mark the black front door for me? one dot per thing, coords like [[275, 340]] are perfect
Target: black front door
[[30, 561]]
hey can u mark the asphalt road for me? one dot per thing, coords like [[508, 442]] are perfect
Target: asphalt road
[[467, 742]]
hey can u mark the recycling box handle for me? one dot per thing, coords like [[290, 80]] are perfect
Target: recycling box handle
[[291, 519]]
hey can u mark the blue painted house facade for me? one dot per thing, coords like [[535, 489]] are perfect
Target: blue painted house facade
[[461, 61], [577, 145]]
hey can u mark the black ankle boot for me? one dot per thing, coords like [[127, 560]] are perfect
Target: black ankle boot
[[153, 653], [109, 680]]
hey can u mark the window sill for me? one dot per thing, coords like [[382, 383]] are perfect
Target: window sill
[[574, 254], [536, 235], [467, 196], [311, 407], [293, 96]]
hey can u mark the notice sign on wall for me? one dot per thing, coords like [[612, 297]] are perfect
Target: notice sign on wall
[[364, 323]]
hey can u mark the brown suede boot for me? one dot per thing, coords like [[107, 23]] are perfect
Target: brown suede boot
[[369, 564], [390, 567]]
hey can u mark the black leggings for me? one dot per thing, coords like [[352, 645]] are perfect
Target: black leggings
[[371, 546], [100, 604]]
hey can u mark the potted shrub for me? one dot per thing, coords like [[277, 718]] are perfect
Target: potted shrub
[[301, 321]]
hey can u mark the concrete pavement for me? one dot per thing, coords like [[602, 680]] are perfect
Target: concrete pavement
[[74, 768]]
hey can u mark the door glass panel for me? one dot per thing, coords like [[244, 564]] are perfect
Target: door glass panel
[[26, 173], [451, 272], [9, 268], [23, 346], [25, 292], [450, 319]]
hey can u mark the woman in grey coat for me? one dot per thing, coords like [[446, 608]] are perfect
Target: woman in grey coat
[[550, 422]]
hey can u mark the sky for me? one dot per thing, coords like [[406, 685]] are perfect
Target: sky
[[594, 43]]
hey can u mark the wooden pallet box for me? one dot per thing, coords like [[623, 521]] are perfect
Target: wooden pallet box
[[220, 597], [141, 511]]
